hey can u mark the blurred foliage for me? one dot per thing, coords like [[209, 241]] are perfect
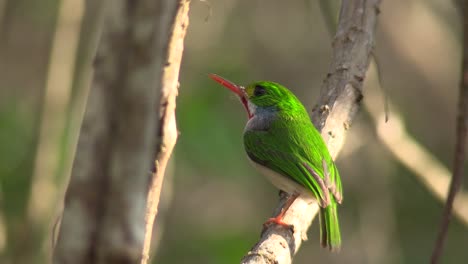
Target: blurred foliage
[[215, 202]]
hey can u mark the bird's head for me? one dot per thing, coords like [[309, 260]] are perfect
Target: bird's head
[[261, 94]]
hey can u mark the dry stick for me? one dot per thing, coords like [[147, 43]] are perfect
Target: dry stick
[[425, 166], [338, 104], [460, 145], [103, 218], [167, 134]]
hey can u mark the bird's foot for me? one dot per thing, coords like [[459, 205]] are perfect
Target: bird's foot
[[278, 221]]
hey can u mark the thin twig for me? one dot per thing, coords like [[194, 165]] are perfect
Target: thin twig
[[460, 145]]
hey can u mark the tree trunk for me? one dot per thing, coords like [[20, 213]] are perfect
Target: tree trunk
[[105, 202]]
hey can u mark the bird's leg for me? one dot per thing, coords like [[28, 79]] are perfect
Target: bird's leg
[[279, 218]]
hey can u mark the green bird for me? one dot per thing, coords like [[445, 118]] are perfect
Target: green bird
[[283, 144]]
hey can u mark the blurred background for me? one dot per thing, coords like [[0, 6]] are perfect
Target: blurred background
[[214, 203]]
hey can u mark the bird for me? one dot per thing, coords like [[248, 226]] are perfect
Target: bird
[[283, 144]]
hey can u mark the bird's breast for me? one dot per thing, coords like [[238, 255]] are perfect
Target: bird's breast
[[261, 121]]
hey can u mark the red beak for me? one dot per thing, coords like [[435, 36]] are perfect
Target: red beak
[[239, 90], [228, 84]]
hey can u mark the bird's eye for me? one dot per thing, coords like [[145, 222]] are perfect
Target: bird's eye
[[259, 90]]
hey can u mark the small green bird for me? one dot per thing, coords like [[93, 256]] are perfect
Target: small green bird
[[284, 145]]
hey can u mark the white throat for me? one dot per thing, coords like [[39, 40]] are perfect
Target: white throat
[[252, 108]]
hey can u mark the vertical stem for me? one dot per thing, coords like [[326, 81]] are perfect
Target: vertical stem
[[167, 134], [461, 142]]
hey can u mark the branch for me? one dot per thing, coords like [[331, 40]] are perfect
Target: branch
[[425, 167], [460, 145], [338, 104], [103, 218], [167, 134]]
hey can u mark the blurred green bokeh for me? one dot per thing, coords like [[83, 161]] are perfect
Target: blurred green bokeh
[[214, 203]]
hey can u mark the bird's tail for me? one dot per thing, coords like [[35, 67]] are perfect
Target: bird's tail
[[329, 227]]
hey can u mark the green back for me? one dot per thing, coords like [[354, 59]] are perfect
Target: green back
[[292, 144]]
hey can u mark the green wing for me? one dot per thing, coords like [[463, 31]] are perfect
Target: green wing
[[295, 149]]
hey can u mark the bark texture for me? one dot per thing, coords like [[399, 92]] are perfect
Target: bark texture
[[167, 134], [105, 202], [339, 101]]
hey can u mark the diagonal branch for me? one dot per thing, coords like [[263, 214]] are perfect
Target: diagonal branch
[[408, 151], [425, 166], [338, 104]]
